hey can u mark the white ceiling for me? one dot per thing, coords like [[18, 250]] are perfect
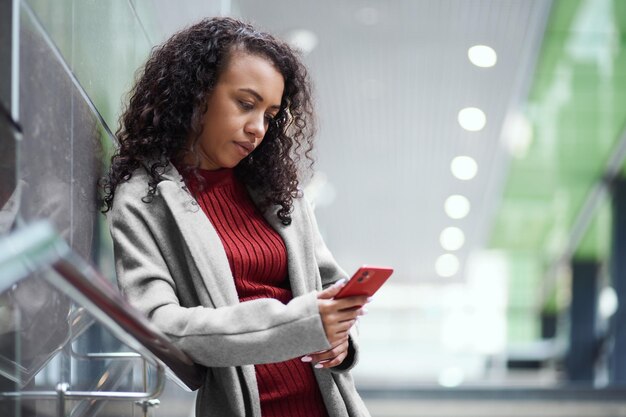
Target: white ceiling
[[388, 94]]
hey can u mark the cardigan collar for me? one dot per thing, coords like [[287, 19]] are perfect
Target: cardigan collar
[[200, 235]]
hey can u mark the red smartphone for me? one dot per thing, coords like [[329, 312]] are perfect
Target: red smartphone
[[365, 281]]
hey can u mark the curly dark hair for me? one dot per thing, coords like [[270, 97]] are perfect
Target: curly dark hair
[[168, 101]]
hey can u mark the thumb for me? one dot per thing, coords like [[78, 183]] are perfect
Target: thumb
[[331, 291]]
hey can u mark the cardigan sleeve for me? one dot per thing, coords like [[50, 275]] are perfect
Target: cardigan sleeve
[[330, 272], [251, 332]]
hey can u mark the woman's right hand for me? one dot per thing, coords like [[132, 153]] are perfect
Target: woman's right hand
[[338, 316]]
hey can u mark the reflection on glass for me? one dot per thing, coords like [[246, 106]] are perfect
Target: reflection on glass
[[34, 326]]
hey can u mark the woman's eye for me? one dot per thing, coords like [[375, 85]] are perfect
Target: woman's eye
[[269, 118], [245, 105]]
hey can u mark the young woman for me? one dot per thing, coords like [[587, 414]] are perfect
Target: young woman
[[214, 241]]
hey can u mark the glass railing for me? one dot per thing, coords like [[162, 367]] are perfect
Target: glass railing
[[49, 299]]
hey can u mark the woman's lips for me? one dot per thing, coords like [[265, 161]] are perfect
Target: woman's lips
[[245, 147]]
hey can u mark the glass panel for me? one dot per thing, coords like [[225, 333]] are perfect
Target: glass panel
[[46, 341], [40, 346], [37, 320]]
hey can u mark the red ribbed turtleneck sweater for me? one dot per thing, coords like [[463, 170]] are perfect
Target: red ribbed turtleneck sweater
[[258, 261]]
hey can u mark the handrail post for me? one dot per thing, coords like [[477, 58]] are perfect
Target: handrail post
[[148, 404], [61, 389], [145, 385]]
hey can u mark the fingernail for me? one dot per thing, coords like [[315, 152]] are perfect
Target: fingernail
[[364, 311], [306, 359], [319, 366], [370, 299], [340, 282]]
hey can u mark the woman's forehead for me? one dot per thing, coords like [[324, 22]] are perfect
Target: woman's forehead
[[251, 71]]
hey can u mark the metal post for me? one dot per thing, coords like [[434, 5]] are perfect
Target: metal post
[[147, 404], [617, 360], [6, 52], [582, 339], [61, 390]]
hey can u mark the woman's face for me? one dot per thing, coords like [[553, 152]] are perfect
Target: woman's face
[[247, 96]]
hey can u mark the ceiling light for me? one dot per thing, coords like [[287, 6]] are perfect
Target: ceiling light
[[482, 56], [472, 119], [447, 265], [464, 167], [452, 238], [302, 39], [457, 206]]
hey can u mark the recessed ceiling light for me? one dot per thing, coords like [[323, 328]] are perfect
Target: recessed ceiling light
[[482, 56], [447, 265], [452, 238], [472, 119], [464, 167], [457, 206], [302, 39]]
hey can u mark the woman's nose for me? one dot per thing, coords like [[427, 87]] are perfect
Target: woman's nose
[[256, 126]]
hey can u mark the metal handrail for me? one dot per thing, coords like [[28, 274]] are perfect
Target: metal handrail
[[63, 389], [37, 245], [106, 355], [109, 381]]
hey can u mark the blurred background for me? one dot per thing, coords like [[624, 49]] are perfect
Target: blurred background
[[477, 146]]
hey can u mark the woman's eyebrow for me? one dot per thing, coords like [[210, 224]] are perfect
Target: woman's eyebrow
[[258, 96]]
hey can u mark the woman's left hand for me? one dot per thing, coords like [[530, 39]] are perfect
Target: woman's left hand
[[331, 357]]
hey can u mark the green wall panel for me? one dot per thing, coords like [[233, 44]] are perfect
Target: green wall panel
[[577, 107]]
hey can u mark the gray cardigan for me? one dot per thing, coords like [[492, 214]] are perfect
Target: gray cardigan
[[171, 265]]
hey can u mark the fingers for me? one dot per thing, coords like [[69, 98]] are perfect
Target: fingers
[[348, 303], [331, 312], [339, 332], [337, 323], [338, 316], [331, 291], [331, 357]]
